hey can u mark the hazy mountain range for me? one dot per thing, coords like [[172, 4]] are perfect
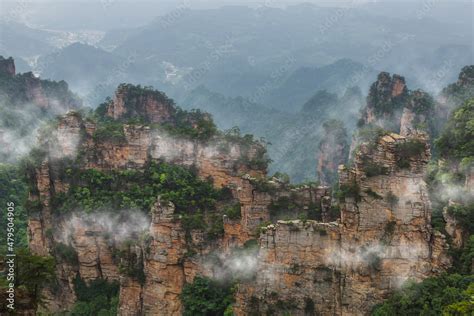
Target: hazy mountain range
[[254, 66]]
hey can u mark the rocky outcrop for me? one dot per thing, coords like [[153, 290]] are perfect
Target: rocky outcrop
[[34, 91], [389, 216], [383, 238], [164, 265], [386, 98], [133, 102], [23, 90], [7, 66], [392, 107], [319, 264], [458, 233], [333, 151], [417, 116], [168, 257], [297, 271]]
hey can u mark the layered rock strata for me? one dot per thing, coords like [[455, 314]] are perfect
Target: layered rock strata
[[383, 238], [329, 267]]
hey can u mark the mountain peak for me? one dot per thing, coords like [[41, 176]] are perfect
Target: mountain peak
[[7, 66], [132, 101]]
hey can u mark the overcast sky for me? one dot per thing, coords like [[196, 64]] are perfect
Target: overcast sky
[[111, 14]]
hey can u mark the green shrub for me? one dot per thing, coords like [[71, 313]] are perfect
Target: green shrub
[[261, 228], [373, 194], [392, 199], [206, 297], [259, 162], [192, 124], [215, 226], [110, 131], [350, 190], [373, 169], [433, 296], [66, 253], [131, 262], [100, 297], [283, 177], [233, 211], [309, 307], [334, 212], [33, 206], [246, 143], [193, 221], [464, 214], [457, 139], [467, 256], [283, 205], [314, 212], [388, 231], [33, 273], [407, 150], [374, 261], [263, 185], [371, 134]]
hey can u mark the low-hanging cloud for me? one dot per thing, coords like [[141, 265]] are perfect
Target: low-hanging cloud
[[119, 226]]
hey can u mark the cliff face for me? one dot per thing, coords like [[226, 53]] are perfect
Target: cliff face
[[150, 105], [168, 258], [20, 90], [27, 102], [417, 115], [316, 265], [392, 215], [385, 99], [34, 91], [383, 238]]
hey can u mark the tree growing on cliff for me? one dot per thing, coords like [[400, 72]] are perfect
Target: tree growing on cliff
[[445, 295], [206, 297], [457, 140], [33, 273]]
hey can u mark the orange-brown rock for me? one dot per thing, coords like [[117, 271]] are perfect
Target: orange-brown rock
[[343, 267], [295, 272], [384, 238], [147, 104], [130, 297]]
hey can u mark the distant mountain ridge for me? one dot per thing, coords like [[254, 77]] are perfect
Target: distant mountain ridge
[[294, 137]]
